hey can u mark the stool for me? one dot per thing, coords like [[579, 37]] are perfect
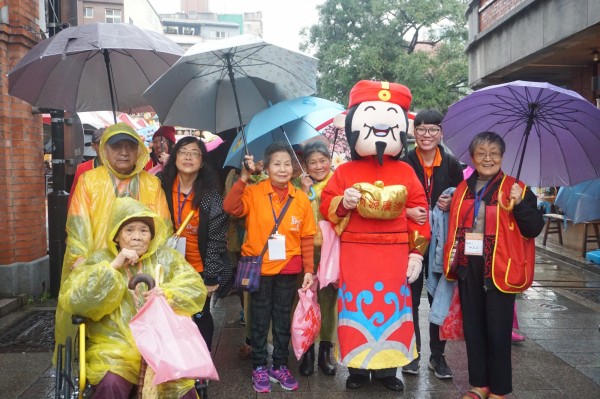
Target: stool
[[589, 237], [553, 226]]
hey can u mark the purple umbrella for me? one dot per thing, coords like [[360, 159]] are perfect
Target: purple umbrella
[[552, 134]]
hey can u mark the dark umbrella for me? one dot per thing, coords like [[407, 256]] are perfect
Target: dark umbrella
[[552, 134], [222, 84], [93, 67]]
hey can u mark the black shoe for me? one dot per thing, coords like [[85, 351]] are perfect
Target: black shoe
[[411, 368], [439, 366], [324, 362], [307, 366], [355, 381], [392, 383]]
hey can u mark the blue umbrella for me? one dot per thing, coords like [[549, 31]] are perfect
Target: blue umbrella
[[290, 122], [581, 202]]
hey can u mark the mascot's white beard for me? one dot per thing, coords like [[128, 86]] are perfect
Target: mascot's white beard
[[379, 125]]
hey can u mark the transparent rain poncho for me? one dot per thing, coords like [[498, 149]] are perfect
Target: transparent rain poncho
[[98, 292], [87, 218]]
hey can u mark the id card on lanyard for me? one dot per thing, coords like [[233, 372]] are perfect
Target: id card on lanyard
[[474, 241], [181, 242], [276, 241]]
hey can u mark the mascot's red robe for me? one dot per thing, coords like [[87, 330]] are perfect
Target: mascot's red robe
[[375, 324]]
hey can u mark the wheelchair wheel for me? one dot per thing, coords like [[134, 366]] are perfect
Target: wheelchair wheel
[[202, 388], [58, 381], [67, 367], [63, 383]]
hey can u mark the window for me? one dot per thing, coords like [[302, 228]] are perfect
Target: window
[[217, 34], [113, 16], [88, 12]]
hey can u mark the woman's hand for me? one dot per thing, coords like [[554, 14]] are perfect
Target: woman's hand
[[124, 258], [156, 291], [306, 182], [307, 282], [417, 214], [163, 158], [444, 202], [211, 288], [246, 172], [516, 193]]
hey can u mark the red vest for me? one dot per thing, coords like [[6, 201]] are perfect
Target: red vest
[[512, 255]]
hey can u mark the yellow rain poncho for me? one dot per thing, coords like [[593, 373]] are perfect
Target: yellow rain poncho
[[98, 292], [87, 223]]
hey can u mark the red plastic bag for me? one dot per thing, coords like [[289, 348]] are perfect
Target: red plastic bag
[[329, 267], [306, 322], [452, 328], [171, 344]]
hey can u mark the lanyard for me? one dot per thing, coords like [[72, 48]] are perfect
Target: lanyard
[[428, 186], [180, 204], [479, 197], [275, 218]]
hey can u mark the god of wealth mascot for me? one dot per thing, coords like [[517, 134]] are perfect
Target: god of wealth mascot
[[381, 250]]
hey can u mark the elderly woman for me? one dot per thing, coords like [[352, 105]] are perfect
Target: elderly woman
[[290, 253], [97, 290], [318, 166], [491, 252]]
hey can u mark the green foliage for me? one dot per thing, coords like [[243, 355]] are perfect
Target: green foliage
[[419, 43]]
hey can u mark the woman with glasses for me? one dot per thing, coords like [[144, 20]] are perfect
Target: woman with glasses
[[490, 251], [437, 171], [190, 184]]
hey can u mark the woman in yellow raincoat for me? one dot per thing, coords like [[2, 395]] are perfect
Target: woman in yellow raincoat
[[97, 290], [121, 174]]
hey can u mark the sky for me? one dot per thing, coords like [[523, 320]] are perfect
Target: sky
[[282, 19]]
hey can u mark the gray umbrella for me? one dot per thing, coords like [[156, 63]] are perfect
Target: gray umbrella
[[222, 84], [94, 67]]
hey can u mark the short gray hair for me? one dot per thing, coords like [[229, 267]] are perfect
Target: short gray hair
[[487, 138], [316, 146]]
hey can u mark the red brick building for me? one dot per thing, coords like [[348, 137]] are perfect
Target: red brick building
[[23, 253]]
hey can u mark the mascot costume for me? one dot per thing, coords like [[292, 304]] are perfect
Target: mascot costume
[[381, 250]]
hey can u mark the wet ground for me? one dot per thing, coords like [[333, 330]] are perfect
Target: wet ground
[[559, 315]]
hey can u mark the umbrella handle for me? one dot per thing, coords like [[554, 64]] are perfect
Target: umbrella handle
[[511, 204], [185, 223], [141, 278]]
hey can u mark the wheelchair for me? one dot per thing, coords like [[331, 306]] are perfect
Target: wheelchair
[[70, 378]]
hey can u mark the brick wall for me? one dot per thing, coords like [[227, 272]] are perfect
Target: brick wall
[[22, 182], [492, 10]]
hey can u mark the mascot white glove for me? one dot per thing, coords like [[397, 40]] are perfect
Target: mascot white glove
[[351, 198], [415, 265]]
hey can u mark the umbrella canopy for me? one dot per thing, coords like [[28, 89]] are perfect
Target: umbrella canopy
[[94, 67], [213, 80], [552, 134], [290, 122], [581, 202]]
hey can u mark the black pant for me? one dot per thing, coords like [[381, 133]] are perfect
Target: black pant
[[272, 302], [487, 322], [436, 345], [205, 323]]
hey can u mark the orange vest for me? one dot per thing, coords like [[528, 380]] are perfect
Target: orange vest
[[513, 256]]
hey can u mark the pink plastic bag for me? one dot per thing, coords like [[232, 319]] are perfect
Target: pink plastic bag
[[306, 322], [171, 344], [329, 267], [452, 328]]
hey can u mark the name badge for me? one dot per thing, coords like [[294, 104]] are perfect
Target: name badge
[[474, 244], [276, 247]]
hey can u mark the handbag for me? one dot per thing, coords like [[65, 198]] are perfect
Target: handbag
[[306, 322], [248, 271], [329, 266]]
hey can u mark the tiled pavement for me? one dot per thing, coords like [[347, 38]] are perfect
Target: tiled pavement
[[559, 359]]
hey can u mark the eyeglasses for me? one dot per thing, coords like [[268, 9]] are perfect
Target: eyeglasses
[[494, 156], [433, 131], [189, 154]]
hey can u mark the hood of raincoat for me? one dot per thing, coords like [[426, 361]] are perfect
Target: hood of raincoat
[[127, 208], [142, 157]]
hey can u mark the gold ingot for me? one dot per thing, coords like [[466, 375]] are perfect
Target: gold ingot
[[380, 202]]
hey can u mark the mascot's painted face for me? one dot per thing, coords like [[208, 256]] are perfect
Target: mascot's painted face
[[379, 125]]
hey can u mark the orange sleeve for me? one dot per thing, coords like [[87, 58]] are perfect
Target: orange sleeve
[[232, 204], [307, 249]]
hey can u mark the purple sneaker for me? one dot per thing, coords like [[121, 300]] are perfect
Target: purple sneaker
[[260, 379], [284, 378]]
